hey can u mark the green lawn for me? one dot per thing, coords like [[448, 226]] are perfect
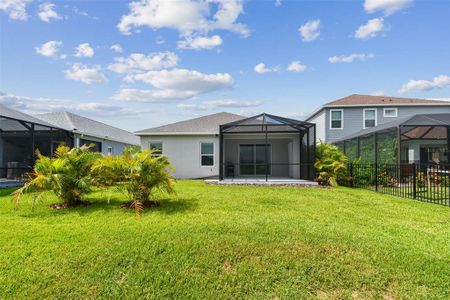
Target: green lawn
[[229, 242]]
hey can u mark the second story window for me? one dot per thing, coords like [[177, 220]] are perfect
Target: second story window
[[157, 148], [390, 112], [370, 117], [336, 119]]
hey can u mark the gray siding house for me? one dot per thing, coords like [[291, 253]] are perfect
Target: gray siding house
[[343, 117]]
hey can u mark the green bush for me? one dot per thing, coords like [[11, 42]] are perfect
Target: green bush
[[68, 175], [136, 173], [330, 164]]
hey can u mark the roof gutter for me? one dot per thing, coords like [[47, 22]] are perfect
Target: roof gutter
[[175, 133]]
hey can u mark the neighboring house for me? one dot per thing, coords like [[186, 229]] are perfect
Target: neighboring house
[[106, 139], [343, 117], [423, 139], [231, 146]]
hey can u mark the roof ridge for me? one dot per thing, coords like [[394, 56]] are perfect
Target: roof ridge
[[188, 120], [69, 115], [69, 120]]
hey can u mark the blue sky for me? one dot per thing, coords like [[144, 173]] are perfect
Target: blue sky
[[174, 60]]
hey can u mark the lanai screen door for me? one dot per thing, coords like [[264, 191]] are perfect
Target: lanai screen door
[[252, 159]]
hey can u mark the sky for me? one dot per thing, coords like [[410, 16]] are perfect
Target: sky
[[145, 63]]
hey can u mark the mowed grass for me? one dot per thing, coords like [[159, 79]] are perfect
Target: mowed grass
[[216, 242]]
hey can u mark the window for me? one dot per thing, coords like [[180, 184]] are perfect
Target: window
[[110, 150], [207, 154], [336, 121], [157, 148], [370, 117], [96, 146], [390, 112]]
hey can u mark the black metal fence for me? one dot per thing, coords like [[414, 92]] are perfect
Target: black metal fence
[[428, 183]]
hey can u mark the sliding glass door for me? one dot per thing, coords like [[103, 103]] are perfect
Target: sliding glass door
[[252, 159]]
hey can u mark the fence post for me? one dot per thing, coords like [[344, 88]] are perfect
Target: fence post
[[351, 175], [414, 181], [376, 177]]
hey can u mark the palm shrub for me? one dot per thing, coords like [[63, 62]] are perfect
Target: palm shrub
[[68, 175], [330, 164], [136, 173]]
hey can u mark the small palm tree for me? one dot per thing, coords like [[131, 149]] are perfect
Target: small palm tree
[[136, 173], [330, 164], [67, 175]]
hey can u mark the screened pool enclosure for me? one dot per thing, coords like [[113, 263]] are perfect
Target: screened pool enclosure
[[20, 136], [269, 147], [421, 139]]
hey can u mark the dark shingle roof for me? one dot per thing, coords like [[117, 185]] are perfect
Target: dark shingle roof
[[17, 115], [356, 100], [83, 125], [203, 125]]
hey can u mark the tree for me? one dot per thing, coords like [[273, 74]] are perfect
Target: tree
[[136, 173], [330, 164], [68, 175]]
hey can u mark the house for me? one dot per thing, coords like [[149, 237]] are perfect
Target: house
[[422, 139], [20, 136], [231, 146], [106, 139], [343, 117]]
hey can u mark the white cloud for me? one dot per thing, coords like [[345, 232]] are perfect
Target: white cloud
[[84, 50], [159, 40], [83, 13], [86, 74], [50, 49], [438, 82], [296, 66], [223, 103], [261, 68], [350, 58], [297, 115], [378, 93], [15, 9], [278, 3], [47, 12], [176, 84], [117, 48], [371, 29], [388, 7], [152, 96], [33, 105], [199, 43], [138, 62], [310, 30], [185, 16]]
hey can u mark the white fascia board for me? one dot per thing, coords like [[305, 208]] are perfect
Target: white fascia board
[[175, 133]]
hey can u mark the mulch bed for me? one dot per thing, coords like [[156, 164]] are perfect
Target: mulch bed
[[146, 204]]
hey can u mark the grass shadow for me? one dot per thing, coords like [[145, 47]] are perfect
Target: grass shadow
[[178, 205]]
